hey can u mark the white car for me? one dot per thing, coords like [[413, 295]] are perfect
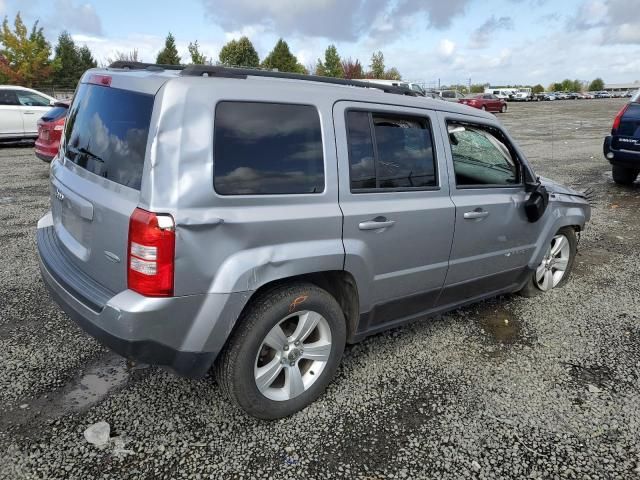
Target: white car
[[20, 110]]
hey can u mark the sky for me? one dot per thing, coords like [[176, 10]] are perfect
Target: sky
[[448, 41]]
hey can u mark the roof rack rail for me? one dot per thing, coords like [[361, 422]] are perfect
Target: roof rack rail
[[126, 65], [242, 73]]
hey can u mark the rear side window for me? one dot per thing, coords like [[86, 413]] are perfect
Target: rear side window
[[106, 132], [56, 113], [8, 97], [267, 148], [389, 151]]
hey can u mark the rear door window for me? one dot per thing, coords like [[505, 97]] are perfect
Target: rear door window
[[8, 97], [390, 151], [106, 132], [267, 149]]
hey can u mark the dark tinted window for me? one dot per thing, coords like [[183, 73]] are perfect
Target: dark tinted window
[[56, 113], [481, 156], [267, 148], [403, 156], [106, 132], [8, 97], [361, 156]]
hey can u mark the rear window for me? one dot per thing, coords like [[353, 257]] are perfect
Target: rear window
[[106, 132], [56, 113], [267, 148]]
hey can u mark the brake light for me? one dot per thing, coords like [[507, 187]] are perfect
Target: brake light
[[96, 79], [618, 119], [151, 253]]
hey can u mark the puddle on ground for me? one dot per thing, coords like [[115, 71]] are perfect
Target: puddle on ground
[[500, 324], [96, 383]]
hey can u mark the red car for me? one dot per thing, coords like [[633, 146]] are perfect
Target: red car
[[486, 101], [50, 130]]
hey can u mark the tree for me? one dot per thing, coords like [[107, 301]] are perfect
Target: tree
[[537, 89], [66, 62], [596, 85], [119, 56], [556, 87], [25, 57], [332, 66], [377, 65], [392, 74], [197, 57], [169, 54], [239, 53], [478, 87], [282, 59], [86, 59], [352, 69]]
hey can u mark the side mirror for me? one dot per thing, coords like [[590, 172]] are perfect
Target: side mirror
[[537, 203], [52, 103]]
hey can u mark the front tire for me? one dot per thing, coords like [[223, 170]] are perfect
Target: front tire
[[284, 352], [623, 175], [555, 269], [503, 109]]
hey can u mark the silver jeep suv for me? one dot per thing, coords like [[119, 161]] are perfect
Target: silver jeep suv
[[256, 222]]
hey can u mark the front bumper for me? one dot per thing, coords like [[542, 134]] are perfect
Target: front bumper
[[183, 333], [623, 158]]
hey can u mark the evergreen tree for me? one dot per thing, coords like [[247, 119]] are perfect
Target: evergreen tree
[[196, 56], [282, 59], [332, 66], [86, 59], [239, 53], [169, 54], [66, 62], [377, 65]]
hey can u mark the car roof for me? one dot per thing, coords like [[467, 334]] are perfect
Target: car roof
[[151, 80]]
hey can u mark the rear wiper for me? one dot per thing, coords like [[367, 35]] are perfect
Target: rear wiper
[[88, 153]]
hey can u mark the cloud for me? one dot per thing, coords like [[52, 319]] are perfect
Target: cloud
[[446, 48], [80, 17], [333, 19], [617, 20], [481, 36]]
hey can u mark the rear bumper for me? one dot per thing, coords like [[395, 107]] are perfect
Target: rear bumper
[[46, 151], [184, 333], [623, 158]]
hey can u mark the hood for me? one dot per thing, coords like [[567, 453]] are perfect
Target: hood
[[554, 187]]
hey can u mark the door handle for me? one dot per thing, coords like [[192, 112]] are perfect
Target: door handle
[[29, 113], [476, 214], [376, 224]]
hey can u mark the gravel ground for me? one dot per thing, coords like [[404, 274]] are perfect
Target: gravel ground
[[510, 388]]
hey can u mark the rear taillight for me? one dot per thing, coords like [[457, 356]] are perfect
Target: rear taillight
[[618, 119], [151, 253]]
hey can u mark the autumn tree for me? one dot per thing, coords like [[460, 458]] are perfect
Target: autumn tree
[[169, 54], [25, 56], [282, 59], [352, 69], [197, 57], [240, 53]]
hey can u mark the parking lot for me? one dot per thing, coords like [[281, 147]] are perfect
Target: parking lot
[[511, 388]]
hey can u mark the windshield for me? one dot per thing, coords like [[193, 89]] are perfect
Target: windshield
[[636, 96], [106, 132]]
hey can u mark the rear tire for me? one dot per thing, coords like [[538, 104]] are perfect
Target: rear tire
[[550, 266], [274, 382], [623, 175]]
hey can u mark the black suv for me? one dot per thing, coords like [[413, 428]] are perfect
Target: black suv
[[622, 147]]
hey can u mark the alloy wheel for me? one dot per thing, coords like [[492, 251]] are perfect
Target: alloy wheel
[[554, 264], [293, 355]]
